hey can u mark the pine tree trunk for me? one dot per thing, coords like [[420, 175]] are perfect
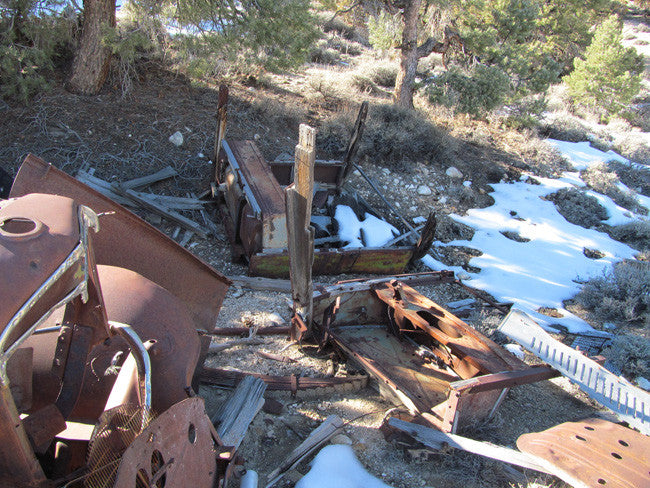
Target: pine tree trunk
[[91, 62], [409, 57]]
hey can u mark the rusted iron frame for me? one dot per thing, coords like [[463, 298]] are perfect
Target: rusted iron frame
[[469, 289], [229, 379], [239, 331], [364, 284], [87, 219], [299, 328]]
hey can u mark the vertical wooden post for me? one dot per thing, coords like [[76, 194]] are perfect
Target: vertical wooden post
[[300, 233], [222, 109]]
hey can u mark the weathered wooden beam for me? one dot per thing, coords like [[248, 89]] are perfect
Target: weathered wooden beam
[[156, 208], [235, 414], [222, 110], [436, 439], [300, 233], [353, 144], [261, 284], [163, 174]]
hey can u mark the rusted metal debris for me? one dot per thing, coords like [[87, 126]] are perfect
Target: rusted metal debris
[[592, 453], [440, 368], [228, 378], [252, 202], [588, 454], [94, 379]]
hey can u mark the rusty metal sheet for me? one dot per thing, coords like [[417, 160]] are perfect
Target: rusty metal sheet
[[335, 261], [593, 453], [474, 351], [395, 365], [126, 241], [176, 449], [37, 233]]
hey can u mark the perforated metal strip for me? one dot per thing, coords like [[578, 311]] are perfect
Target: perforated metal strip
[[630, 403]]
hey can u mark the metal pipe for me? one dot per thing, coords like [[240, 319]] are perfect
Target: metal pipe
[[141, 356]]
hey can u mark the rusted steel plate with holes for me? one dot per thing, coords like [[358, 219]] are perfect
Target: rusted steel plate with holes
[[127, 241], [177, 449], [593, 453]]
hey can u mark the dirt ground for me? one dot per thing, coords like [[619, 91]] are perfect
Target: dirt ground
[[124, 138]]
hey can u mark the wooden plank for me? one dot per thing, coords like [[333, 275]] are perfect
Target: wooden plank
[[436, 439], [160, 210], [353, 144], [220, 133], [235, 414], [300, 234], [317, 438], [262, 284], [163, 174]]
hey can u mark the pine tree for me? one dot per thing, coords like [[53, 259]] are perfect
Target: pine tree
[[609, 76]]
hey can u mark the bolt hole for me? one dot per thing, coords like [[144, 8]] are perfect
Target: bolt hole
[[141, 479], [18, 226], [602, 482], [588, 428], [623, 443], [191, 434], [157, 462], [580, 438], [617, 455]]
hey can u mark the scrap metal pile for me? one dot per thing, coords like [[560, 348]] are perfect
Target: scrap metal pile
[[105, 323]]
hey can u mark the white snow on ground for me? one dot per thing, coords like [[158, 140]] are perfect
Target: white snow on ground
[[547, 269], [376, 232], [336, 466]]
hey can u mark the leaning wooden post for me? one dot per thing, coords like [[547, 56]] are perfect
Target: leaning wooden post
[[300, 234], [222, 110]]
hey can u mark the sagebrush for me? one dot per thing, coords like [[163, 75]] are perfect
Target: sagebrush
[[619, 295]]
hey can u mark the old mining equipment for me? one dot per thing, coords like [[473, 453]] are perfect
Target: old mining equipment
[[96, 360]]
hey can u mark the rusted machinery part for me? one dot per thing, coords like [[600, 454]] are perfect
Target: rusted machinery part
[[141, 356], [230, 379], [178, 448], [43, 248], [592, 453], [154, 314], [127, 241]]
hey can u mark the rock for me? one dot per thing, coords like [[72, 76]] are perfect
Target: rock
[[467, 184], [274, 319], [356, 172], [419, 220], [413, 208], [453, 172], [272, 406], [200, 155], [386, 171], [464, 276], [443, 200], [341, 439], [424, 190], [176, 139], [257, 137]]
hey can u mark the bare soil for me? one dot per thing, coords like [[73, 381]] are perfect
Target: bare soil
[[122, 138]]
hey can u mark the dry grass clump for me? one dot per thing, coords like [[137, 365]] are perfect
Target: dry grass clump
[[620, 295], [635, 234], [274, 112], [630, 354], [578, 208], [381, 72], [601, 179], [565, 127], [322, 53], [393, 137], [632, 177]]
